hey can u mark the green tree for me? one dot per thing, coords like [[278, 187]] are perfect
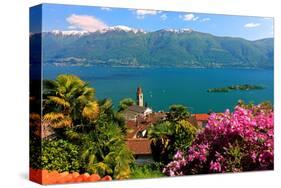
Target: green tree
[[184, 135], [125, 103], [103, 149], [108, 114], [69, 101], [98, 134], [161, 136], [177, 112], [176, 133]]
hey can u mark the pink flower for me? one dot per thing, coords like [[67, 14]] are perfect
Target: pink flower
[[178, 155], [215, 166], [248, 129]]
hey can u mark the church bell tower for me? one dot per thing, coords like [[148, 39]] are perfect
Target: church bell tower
[[139, 97]]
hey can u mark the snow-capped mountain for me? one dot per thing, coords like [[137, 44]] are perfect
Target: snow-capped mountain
[[70, 32], [184, 47], [104, 30], [121, 28], [114, 28]]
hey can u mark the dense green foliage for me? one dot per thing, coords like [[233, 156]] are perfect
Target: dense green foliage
[[69, 101], [89, 135], [176, 133], [159, 48], [168, 137], [177, 112], [103, 149], [152, 170], [58, 155]]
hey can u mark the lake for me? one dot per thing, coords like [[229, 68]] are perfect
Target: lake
[[163, 87]]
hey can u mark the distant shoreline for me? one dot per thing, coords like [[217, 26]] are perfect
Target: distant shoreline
[[153, 67]]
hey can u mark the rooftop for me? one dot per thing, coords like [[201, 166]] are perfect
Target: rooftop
[[136, 108], [201, 117], [139, 146], [141, 123]]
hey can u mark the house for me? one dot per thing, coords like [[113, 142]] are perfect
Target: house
[[141, 149], [202, 119], [138, 110], [134, 111], [137, 140], [138, 128]]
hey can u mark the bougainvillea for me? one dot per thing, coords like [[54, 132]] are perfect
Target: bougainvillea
[[231, 142]]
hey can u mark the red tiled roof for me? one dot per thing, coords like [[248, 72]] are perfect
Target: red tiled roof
[[135, 126], [201, 117], [139, 146], [132, 128]]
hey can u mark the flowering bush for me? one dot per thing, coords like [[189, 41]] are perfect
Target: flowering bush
[[231, 142]]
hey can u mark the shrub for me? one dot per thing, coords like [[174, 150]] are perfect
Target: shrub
[[152, 170], [59, 155], [231, 142]]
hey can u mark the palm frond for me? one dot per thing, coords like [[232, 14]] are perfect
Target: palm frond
[[58, 120], [59, 101], [91, 110], [101, 168]]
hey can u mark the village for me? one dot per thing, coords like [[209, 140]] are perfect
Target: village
[[139, 118]]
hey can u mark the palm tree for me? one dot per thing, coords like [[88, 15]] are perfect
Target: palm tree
[[161, 136], [169, 136], [177, 112], [69, 101], [108, 114], [103, 149]]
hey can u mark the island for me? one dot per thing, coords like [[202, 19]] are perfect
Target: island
[[242, 87]]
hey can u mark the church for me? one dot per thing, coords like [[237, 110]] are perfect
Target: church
[[138, 110]]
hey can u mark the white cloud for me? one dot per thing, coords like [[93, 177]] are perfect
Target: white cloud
[[106, 8], [141, 13], [205, 19], [163, 17], [85, 22], [189, 17], [252, 25]]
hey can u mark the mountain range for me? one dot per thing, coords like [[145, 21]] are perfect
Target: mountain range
[[124, 46]]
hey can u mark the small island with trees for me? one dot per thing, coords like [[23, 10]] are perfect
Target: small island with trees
[[241, 87]]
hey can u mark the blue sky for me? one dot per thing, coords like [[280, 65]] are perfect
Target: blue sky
[[69, 17]]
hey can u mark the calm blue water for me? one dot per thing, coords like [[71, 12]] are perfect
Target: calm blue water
[[163, 87]]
